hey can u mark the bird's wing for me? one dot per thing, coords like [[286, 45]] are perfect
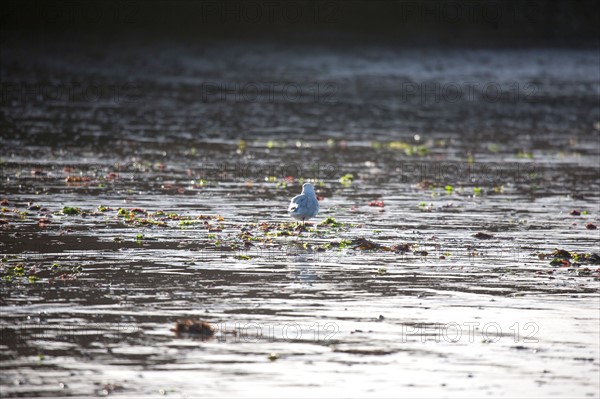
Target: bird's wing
[[297, 202]]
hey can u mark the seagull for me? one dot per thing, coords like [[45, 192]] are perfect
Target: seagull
[[304, 206]]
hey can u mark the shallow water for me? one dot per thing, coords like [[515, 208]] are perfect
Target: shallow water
[[451, 315]]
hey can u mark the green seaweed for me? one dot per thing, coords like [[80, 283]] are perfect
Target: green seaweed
[[347, 180], [331, 222]]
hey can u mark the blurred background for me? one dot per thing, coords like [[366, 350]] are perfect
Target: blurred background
[[406, 21], [338, 68]]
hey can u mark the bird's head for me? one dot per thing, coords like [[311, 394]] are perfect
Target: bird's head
[[308, 188]]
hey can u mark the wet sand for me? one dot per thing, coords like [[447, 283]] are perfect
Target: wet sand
[[192, 151]]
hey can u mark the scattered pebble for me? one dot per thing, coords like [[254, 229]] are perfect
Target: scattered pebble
[[194, 327], [365, 245], [561, 254], [401, 248]]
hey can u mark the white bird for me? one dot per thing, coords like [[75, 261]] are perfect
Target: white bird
[[304, 206]]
